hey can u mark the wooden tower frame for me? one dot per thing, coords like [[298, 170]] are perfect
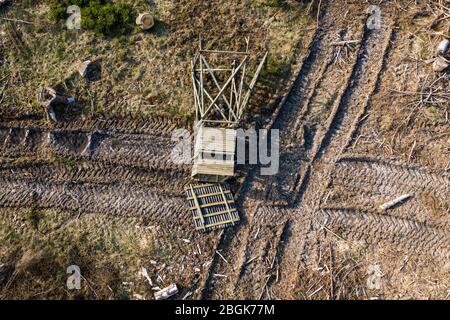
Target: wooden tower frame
[[221, 95], [222, 104]]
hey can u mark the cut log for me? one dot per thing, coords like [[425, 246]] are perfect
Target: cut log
[[48, 97], [83, 69], [394, 202], [166, 292], [145, 21]]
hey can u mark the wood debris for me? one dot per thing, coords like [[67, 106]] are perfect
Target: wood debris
[[394, 202], [144, 273], [443, 47], [166, 292], [440, 64]]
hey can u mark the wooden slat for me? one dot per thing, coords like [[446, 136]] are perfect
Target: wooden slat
[[197, 205], [207, 205], [198, 186], [217, 213], [210, 194], [226, 201], [222, 223]]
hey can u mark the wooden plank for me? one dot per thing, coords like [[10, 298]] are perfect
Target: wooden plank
[[218, 213], [210, 194], [244, 61], [212, 100], [252, 86], [199, 210], [210, 204], [222, 223], [202, 185], [218, 87], [226, 202]]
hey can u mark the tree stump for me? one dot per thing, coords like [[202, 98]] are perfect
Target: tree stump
[[145, 21]]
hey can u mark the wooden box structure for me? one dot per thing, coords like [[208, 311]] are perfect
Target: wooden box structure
[[212, 206], [214, 153]]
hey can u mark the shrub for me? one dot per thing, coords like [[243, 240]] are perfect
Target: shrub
[[101, 16]]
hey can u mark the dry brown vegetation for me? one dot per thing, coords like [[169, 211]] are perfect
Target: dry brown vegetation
[[365, 121]]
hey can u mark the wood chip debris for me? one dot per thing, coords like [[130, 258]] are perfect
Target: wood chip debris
[[251, 260], [223, 258], [220, 275], [144, 273]]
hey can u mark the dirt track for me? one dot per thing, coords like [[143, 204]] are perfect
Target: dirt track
[[324, 188], [285, 241]]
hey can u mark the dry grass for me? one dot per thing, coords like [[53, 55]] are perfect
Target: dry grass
[[41, 244], [142, 73], [410, 116]]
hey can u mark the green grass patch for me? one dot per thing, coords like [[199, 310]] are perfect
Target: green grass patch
[[276, 67], [102, 16], [70, 163]]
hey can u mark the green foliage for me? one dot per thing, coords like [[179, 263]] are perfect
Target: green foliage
[[57, 12], [269, 3], [274, 3], [70, 163], [276, 67], [101, 16], [34, 216]]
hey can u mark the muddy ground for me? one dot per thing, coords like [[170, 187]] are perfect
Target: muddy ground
[[361, 123]]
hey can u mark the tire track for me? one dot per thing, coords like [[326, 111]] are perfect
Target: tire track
[[263, 250], [248, 191], [145, 150], [311, 72], [116, 200], [293, 131], [373, 228], [363, 79], [390, 178], [128, 125], [169, 181]]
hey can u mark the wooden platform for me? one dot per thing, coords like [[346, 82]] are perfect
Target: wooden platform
[[212, 206]]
